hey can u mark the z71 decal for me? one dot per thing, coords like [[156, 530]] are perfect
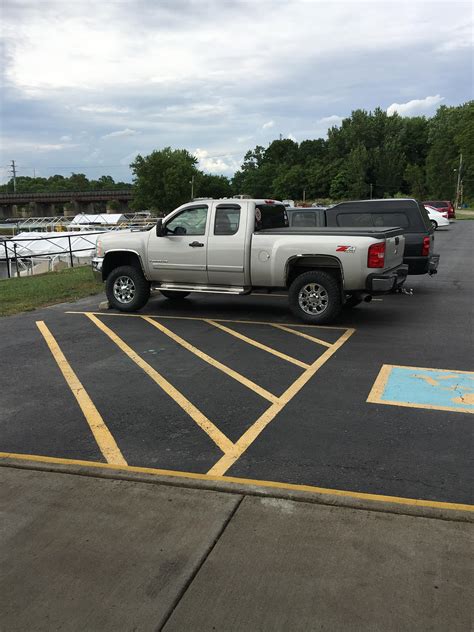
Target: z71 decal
[[345, 249]]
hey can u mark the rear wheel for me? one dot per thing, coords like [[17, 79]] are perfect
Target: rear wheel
[[127, 289], [434, 225], [174, 295], [315, 297]]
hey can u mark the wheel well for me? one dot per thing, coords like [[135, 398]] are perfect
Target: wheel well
[[113, 260], [299, 265]]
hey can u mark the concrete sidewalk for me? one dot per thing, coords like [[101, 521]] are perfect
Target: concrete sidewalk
[[86, 553]]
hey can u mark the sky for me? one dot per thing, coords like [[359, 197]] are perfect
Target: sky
[[88, 85]]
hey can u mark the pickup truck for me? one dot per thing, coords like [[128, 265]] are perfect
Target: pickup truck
[[407, 213], [235, 246]]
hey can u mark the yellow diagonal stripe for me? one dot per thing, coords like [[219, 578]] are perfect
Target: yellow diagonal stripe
[[257, 344], [215, 363], [262, 422], [102, 435], [202, 421], [303, 335]]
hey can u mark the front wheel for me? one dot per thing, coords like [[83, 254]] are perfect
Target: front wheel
[[127, 289], [434, 225], [315, 297], [174, 295]]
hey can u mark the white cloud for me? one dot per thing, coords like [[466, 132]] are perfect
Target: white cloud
[[121, 133], [126, 160], [330, 121], [103, 109], [268, 124], [291, 137], [216, 164], [66, 138], [415, 106]]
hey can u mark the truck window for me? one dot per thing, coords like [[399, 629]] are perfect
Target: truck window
[[354, 219], [227, 220], [270, 216], [191, 221], [304, 218], [391, 219]]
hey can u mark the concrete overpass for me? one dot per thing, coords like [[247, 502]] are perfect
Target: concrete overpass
[[52, 203]]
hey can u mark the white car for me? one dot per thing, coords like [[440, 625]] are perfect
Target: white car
[[437, 219]]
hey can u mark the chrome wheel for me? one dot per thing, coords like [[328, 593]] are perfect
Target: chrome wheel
[[124, 289], [313, 298]]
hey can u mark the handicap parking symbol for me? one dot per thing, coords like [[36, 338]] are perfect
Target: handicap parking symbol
[[415, 387]]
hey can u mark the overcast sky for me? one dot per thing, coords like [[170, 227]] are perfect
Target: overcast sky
[[87, 85]]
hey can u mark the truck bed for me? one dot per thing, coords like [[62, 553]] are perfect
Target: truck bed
[[381, 233]]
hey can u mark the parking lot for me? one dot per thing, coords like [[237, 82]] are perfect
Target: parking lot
[[379, 403]]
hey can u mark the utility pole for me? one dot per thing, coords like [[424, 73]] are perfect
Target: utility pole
[[14, 176], [371, 187], [458, 186]]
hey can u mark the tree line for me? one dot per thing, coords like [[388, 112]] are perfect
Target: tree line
[[371, 154]]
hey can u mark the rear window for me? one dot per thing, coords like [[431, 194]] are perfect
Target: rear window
[[303, 218], [437, 204], [270, 216], [373, 219]]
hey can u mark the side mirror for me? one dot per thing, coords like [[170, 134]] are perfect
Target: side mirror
[[159, 228]]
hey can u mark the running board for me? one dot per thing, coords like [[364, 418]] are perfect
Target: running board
[[207, 289]]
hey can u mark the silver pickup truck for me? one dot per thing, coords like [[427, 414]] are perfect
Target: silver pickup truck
[[235, 246]]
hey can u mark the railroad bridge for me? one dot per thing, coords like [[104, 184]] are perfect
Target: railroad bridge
[[54, 203]]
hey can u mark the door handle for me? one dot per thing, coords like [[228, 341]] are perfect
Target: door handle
[[196, 244]]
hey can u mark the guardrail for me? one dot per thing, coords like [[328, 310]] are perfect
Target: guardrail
[[10, 248]]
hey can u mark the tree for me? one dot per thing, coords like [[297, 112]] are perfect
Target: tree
[[356, 168], [162, 180], [213, 186], [416, 181]]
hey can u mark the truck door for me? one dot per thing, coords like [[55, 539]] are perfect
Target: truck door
[[179, 256], [227, 245]]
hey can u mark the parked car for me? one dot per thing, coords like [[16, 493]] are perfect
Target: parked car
[[237, 246], [437, 219], [442, 205]]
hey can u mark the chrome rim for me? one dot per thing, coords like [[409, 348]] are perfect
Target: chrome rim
[[313, 298], [124, 289]]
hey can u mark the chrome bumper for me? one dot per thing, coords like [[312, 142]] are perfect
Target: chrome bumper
[[97, 267]]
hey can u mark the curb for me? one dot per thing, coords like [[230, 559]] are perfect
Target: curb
[[266, 489]]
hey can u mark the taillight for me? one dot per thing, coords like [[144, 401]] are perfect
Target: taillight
[[426, 247], [376, 256]]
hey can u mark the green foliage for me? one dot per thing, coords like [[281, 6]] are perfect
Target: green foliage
[[76, 182], [369, 153]]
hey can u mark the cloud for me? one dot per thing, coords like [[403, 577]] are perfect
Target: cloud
[[415, 106], [103, 109], [268, 124], [216, 164], [66, 138], [121, 133], [330, 121]]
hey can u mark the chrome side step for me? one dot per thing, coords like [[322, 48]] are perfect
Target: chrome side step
[[205, 289]]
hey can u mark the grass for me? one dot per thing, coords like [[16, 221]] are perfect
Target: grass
[[25, 294], [465, 213]]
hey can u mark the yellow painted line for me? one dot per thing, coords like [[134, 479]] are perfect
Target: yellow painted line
[[303, 335], [262, 422], [202, 421], [215, 363], [203, 318], [259, 345], [413, 502], [102, 435], [377, 390]]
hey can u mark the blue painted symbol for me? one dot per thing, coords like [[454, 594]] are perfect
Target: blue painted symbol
[[430, 388]]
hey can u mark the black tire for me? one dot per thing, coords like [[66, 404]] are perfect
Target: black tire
[[174, 295], [434, 224], [327, 300], [134, 286], [352, 301]]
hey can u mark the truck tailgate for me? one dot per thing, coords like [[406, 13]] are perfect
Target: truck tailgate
[[394, 248]]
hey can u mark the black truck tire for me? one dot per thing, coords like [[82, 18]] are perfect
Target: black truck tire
[[315, 297], [127, 289], [174, 295]]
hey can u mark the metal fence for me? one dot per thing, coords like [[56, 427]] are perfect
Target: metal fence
[[18, 260]]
